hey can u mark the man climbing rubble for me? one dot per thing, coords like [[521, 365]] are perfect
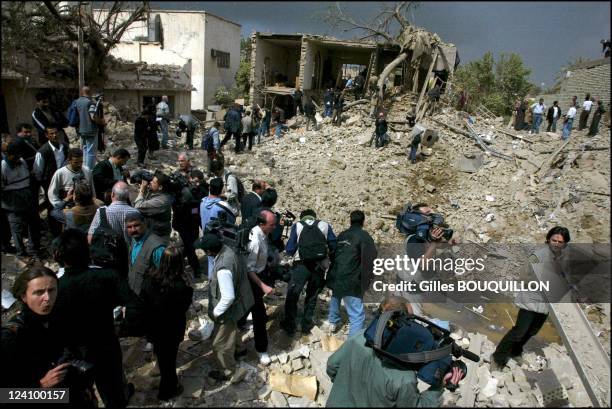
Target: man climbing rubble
[[380, 132], [533, 308], [312, 242]]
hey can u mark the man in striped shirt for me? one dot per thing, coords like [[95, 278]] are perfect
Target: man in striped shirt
[[116, 212]]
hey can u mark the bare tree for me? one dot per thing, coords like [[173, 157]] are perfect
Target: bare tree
[[48, 34], [390, 27]]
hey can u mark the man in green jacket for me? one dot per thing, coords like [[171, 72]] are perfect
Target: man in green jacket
[[350, 274], [361, 379]]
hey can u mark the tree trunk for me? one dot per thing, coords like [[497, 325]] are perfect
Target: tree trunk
[[378, 98]]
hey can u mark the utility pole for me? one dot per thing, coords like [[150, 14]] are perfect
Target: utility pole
[[81, 53]]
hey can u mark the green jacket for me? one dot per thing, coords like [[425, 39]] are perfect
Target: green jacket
[[351, 271], [362, 380]]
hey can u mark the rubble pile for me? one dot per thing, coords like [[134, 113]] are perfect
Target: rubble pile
[[334, 170]]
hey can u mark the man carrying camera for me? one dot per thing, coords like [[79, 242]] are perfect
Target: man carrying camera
[[155, 204], [89, 121], [425, 230], [64, 181], [363, 378]]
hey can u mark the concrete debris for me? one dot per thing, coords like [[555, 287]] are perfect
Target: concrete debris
[[278, 400]]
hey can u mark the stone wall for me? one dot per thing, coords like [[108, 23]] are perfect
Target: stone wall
[[591, 77]]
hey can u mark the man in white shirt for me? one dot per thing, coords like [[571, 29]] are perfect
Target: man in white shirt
[[230, 298], [162, 111], [569, 121], [586, 110], [261, 283], [552, 116], [538, 111]]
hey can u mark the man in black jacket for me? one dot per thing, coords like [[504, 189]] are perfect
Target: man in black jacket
[[252, 201], [50, 157], [552, 116], [84, 315], [43, 117], [380, 132], [350, 274], [108, 172]]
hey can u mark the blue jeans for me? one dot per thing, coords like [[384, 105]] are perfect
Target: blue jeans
[[537, 120], [163, 124], [355, 310], [328, 110], [567, 128], [90, 149], [264, 129], [279, 128]]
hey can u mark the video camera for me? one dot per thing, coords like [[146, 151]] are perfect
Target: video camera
[[288, 219], [418, 344], [231, 235], [139, 175], [412, 222]]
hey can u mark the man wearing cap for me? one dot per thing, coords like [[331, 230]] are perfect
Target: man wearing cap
[[230, 298], [306, 272]]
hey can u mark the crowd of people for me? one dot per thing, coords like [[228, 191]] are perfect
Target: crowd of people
[[120, 273], [530, 117]]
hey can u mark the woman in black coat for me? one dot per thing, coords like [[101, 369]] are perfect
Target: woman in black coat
[[32, 352], [167, 296]]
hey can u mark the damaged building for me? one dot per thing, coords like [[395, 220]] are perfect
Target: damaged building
[[209, 43], [283, 63], [129, 87]]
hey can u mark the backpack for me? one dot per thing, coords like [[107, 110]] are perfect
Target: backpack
[[410, 222], [107, 246], [73, 115], [241, 191], [312, 244], [207, 143]]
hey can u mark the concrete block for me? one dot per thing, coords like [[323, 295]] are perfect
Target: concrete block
[[278, 400]]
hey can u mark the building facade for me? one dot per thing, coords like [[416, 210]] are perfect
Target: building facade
[[209, 43]]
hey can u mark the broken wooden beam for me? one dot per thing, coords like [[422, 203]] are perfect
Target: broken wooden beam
[[522, 138], [359, 101], [452, 128], [551, 157], [433, 62]]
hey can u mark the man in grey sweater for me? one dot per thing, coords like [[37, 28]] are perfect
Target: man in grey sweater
[[17, 200], [63, 182]]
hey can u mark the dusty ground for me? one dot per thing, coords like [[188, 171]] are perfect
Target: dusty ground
[[334, 171]]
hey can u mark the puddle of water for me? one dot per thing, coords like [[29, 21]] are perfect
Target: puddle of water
[[471, 322]]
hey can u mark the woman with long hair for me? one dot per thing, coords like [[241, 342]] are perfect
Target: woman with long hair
[[167, 294]]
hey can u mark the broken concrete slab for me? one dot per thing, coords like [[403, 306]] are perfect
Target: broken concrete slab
[[278, 400], [295, 385]]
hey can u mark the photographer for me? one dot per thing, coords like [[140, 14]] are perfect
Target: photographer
[[361, 378], [84, 315], [155, 204], [422, 241], [64, 181], [28, 362]]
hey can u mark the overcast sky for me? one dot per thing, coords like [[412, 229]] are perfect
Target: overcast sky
[[546, 34]]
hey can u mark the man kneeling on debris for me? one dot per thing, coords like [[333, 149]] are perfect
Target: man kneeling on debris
[[362, 378], [533, 308], [230, 297]]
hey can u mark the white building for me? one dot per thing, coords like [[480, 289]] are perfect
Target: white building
[[212, 43]]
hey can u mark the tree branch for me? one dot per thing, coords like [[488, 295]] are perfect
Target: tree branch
[[64, 23]]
